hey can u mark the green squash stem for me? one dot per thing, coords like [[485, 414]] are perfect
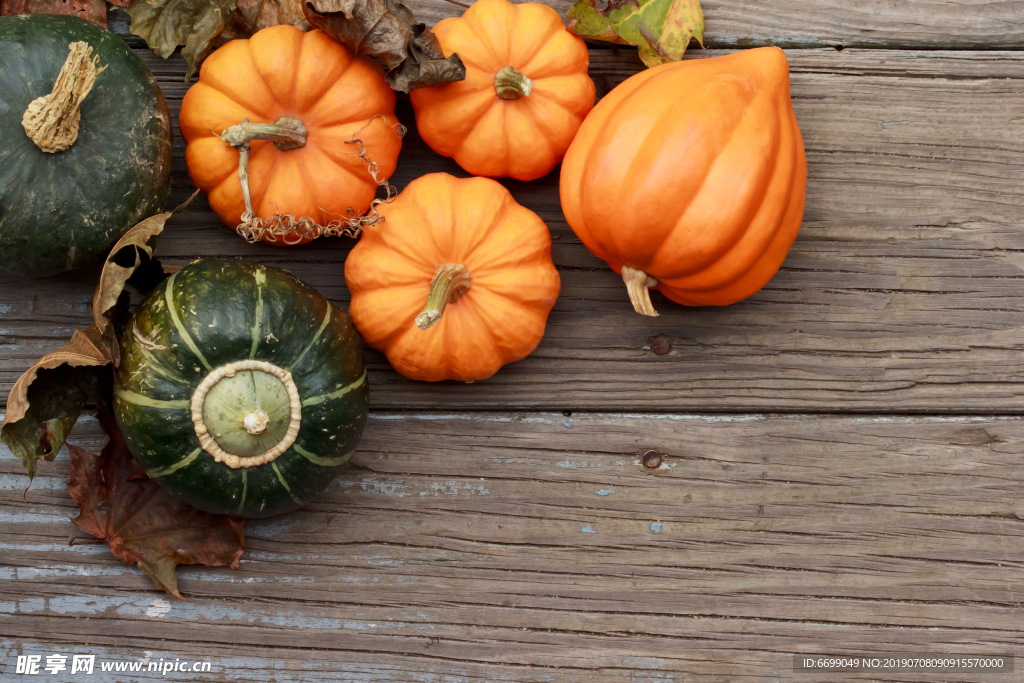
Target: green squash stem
[[511, 84], [450, 283], [51, 121]]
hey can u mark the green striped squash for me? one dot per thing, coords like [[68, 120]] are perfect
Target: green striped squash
[[240, 389], [64, 210]]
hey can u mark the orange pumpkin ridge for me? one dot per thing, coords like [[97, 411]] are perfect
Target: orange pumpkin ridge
[[282, 72], [690, 178], [525, 95], [456, 282]]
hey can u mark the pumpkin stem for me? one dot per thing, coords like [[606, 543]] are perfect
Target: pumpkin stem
[[511, 84], [286, 133], [450, 283], [638, 284], [51, 121]]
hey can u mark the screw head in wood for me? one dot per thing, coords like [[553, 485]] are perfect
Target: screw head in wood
[[661, 345], [651, 459]]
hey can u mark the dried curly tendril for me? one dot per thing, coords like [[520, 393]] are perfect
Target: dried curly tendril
[[288, 134]]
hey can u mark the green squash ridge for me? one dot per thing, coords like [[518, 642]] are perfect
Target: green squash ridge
[[171, 469], [245, 486], [185, 336], [261, 279], [280, 478], [152, 361], [319, 460], [148, 402], [316, 400], [316, 338]]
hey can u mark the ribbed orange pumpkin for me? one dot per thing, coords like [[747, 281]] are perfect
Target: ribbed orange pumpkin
[[690, 177], [283, 72], [456, 282], [525, 94]]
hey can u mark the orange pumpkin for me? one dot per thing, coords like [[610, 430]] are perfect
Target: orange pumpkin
[[525, 94], [283, 72], [456, 281], [690, 177]]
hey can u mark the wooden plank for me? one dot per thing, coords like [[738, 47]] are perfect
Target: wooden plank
[[887, 24], [974, 24], [901, 293], [526, 547]]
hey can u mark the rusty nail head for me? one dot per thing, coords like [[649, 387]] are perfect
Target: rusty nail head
[[652, 459], [661, 345]]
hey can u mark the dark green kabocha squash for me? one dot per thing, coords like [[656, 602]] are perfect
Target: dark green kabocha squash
[[95, 165], [240, 388]]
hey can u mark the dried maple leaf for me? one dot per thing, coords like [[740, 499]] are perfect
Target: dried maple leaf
[[45, 402], [92, 10], [387, 31], [141, 522], [660, 28]]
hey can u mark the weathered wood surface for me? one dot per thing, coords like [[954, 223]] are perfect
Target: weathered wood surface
[[931, 24], [520, 547], [812, 23], [901, 292], [477, 538]]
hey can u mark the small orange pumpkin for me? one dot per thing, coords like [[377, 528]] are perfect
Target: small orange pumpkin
[[283, 72], [525, 95], [690, 177], [456, 282]]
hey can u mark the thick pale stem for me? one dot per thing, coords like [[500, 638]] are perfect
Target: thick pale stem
[[285, 133], [51, 121], [450, 283], [511, 84], [638, 284]]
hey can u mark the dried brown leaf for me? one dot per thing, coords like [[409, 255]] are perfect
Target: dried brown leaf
[[45, 402], [166, 24], [387, 31], [252, 15], [141, 522], [132, 252], [91, 10]]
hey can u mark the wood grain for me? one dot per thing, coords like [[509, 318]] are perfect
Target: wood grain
[[902, 292], [879, 24], [937, 24], [520, 546]]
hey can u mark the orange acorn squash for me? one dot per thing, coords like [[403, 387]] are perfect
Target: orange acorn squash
[[690, 178], [456, 282], [525, 94], [332, 93]]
